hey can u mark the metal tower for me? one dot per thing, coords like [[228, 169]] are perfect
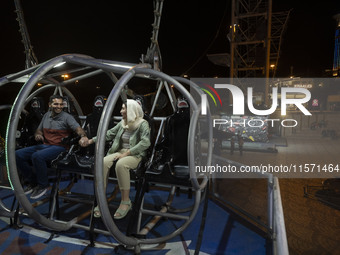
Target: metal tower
[[336, 61], [255, 38], [31, 59]]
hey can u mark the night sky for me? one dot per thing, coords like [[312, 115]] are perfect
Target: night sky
[[308, 44], [121, 30]]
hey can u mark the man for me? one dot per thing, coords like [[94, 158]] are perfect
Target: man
[[54, 126]]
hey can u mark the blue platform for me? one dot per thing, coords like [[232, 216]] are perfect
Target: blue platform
[[224, 233]]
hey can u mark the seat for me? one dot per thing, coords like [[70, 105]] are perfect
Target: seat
[[141, 100], [170, 161], [92, 120], [81, 159], [140, 170], [31, 122], [77, 161], [68, 106]]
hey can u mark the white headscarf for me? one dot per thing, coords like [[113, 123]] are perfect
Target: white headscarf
[[134, 115]]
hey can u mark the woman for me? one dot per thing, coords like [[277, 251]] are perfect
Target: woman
[[131, 139]]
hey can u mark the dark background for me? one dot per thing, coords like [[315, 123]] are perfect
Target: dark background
[[121, 30]]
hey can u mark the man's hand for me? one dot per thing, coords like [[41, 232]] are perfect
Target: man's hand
[[84, 141], [39, 138]]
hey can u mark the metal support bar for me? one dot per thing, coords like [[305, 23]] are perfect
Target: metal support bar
[[270, 192], [171, 95], [164, 214], [159, 89], [31, 59]]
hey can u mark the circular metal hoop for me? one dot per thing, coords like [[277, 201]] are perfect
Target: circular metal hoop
[[99, 150], [128, 71]]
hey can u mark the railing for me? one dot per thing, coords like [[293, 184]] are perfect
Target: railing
[[253, 188]]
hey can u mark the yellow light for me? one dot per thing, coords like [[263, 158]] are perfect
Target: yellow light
[[272, 66]]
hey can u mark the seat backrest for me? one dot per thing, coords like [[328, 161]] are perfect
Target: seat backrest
[[31, 121], [175, 135], [68, 106], [36, 112], [141, 101], [92, 120]]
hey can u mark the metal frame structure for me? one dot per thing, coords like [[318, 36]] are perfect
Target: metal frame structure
[[31, 59], [275, 226], [255, 38], [129, 71], [148, 69]]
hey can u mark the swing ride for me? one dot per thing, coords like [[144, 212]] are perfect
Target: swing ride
[[170, 199]]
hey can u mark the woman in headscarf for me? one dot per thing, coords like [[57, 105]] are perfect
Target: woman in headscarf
[[131, 139]]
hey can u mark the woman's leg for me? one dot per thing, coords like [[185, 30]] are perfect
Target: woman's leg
[[108, 162], [123, 167]]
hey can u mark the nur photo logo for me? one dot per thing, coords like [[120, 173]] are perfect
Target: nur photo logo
[[231, 100]]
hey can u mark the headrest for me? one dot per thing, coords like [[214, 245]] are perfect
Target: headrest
[[182, 103], [35, 103], [66, 104], [99, 102], [140, 100]]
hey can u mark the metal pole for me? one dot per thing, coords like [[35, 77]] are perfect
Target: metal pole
[[232, 43], [268, 42], [270, 203]]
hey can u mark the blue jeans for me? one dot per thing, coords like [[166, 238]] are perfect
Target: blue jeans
[[38, 156]]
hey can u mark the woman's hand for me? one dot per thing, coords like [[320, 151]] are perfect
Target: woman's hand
[[125, 154], [84, 141]]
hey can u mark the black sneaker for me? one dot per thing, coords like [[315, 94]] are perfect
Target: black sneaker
[[28, 189], [38, 192]]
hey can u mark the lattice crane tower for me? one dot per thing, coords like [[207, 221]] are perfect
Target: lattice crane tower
[[255, 38], [336, 61]]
